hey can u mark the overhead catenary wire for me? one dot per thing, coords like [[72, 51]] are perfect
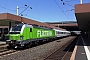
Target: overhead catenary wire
[[6, 8], [34, 10], [61, 10], [68, 5], [18, 2], [43, 15], [69, 0], [64, 2]]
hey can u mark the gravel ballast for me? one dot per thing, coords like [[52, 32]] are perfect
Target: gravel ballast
[[38, 52]]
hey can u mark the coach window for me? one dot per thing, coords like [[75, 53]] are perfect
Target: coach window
[[30, 29]]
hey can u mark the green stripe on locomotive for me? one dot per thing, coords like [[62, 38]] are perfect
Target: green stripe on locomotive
[[42, 33], [32, 33], [14, 36]]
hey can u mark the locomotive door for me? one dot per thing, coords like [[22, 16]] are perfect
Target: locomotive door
[[30, 35]]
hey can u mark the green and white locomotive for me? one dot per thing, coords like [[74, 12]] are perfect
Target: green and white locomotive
[[21, 35]]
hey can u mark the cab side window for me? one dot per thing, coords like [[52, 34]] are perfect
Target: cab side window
[[30, 29]]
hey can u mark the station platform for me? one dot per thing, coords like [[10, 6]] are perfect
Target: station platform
[[2, 42], [82, 49]]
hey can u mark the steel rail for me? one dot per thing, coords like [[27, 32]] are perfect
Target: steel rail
[[58, 49]]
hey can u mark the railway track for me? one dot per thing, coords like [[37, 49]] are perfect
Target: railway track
[[64, 52], [5, 52], [3, 46]]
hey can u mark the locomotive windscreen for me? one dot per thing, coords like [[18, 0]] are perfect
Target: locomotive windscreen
[[16, 29]]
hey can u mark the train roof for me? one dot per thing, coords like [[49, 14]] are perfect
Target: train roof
[[60, 30]]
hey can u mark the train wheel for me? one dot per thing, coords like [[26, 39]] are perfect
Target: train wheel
[[36, 42], [10, 46], [29, 45]]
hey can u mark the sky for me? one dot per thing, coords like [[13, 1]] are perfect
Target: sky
[[42, 10]]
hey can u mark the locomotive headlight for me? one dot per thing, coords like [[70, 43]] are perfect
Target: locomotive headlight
[[21, 37]]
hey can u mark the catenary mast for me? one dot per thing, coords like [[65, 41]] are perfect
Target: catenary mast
[[80, 1]]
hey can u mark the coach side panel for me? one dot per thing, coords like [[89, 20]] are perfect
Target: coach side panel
[[42, 33]]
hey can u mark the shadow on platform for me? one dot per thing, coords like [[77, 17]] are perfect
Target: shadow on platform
[[83, 40], [71, 46]]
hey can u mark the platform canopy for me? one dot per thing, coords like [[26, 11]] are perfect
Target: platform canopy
[[7, 19], [82, 13]]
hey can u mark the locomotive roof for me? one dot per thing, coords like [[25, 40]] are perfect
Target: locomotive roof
[[38, 26]]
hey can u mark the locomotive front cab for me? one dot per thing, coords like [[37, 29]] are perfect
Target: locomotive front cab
[[15, 32], [15, 36]]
